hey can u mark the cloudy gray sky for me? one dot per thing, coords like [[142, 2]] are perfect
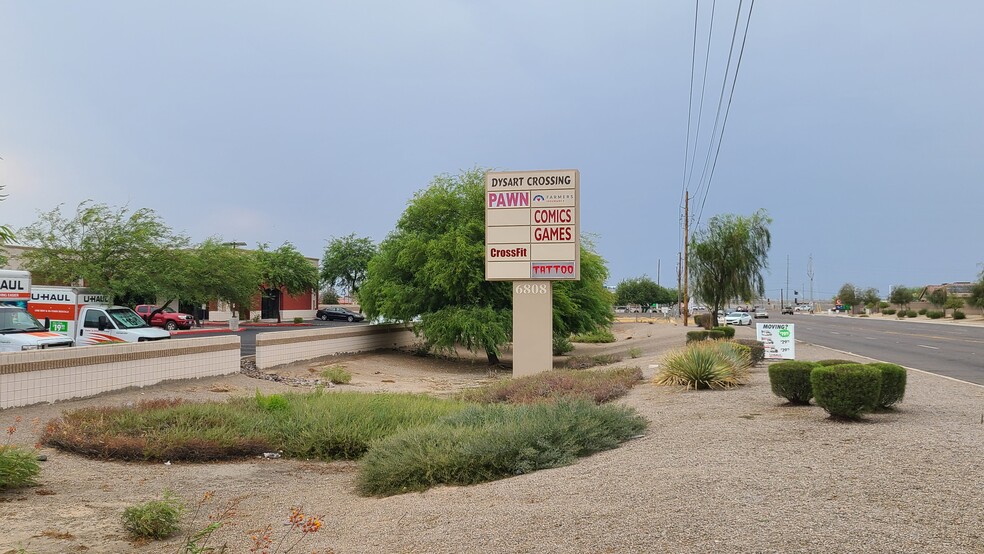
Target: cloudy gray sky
[[857, 125]]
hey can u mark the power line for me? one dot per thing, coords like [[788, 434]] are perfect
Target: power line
[[703, 85], [690, 113]]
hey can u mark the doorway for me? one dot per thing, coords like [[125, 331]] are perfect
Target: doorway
[[270, 304]]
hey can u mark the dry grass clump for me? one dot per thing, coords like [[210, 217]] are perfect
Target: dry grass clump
[[598, 386]]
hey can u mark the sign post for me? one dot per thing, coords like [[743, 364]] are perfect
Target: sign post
[[532, 237]]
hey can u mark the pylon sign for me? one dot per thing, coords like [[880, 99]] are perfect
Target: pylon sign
[[532, 225]]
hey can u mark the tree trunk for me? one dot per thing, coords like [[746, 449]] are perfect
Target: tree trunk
[[493, 357]]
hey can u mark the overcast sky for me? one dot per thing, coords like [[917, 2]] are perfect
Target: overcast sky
[[857, 125]]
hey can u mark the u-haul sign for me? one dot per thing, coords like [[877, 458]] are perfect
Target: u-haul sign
[[15, 285], [532, 227]]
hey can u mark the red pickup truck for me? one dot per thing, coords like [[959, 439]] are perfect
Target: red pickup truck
[[166, 318]]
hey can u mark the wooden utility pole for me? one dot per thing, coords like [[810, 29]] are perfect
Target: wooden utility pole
[[686, 247]]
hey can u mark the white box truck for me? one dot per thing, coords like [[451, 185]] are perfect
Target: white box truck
[[87, 318], [19, 330]]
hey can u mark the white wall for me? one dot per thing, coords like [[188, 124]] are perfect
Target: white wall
[[286, 347]]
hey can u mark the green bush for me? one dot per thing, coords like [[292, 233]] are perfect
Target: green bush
[[934, 314], [701, 365], [846, 391], [888, 311], [494, 441], [298, 320], [336, 374], [561, 345], [892, 383], [715, 335], [791, 380], [635, 352], [729, 331], [913, 313], [757, 346], [883, 305], [901, 314], [834, 362], [957, 314], [598, 336], [703, 320], [696, 336], [922, 311], [18, 467], [272, 402], [157, 519]]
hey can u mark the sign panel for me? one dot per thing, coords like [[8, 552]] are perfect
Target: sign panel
[[532, 225], [15, 285], [779, 340]]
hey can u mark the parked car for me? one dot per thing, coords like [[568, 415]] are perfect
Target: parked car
[[339, 314], [803, 308], [166, 318], [761, 313], [738, 318], [787, 310]]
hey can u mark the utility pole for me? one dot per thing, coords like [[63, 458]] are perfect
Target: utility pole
[[809, 273], [657, 271], [686, 246], [679, 288], [787, 276]]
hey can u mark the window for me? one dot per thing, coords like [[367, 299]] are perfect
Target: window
[[92, 319]]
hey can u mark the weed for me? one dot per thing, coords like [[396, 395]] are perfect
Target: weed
[[156, 519], [599, 386], [599, 336], [18, 466], [336, 374], [635, 352]]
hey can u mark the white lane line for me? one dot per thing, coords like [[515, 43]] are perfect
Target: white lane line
[[834, 333], [924, 346], [871, 338]]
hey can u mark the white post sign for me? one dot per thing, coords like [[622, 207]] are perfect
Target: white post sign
[[779, 340]]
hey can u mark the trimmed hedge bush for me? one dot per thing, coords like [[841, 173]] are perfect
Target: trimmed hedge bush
[[901, 314], [957, 314], [913, 313], [729, 331], [715, 335], [791, 380], [922, 311], [847, 390], [888, 311], [758, 349], [834, 362], [892, 383], [934, 314], [696, 336]]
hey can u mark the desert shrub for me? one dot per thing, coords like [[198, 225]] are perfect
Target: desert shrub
[[18, 467], [336, 374], [700, 365], [696, 336], [599, 386], [272, 402], [791, 380], [922, 311], [738, 355], [298, 320], [157, 519], [913, 313], [934, 314], [757, 346], [957, 314], [489, 442], [729, 331], [901, 314], [598, 336], [847, 390], [833, 361], [715, 335], [888, 311], [892, 383], [561, 345], [635, 352], [703, 320], [883, 305], [606, 359]]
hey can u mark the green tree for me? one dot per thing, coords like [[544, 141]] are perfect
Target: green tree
[[727, 259], [937, 298], [952, 303], [345, 262], [6, 234], [644, 291], [901, 296], [869, 297], [222, 272], [432, 267], [849, 295], [977, 294], [117, 253], [285, 269]]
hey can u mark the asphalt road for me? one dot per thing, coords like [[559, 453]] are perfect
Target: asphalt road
[[952, 350], [247, 335]]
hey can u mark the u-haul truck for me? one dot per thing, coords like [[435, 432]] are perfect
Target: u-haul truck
[[19, 330], [87, 318]]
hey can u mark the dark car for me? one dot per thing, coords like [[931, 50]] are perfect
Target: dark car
[[338, 314]]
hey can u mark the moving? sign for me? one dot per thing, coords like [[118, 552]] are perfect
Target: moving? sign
[[779, 340]]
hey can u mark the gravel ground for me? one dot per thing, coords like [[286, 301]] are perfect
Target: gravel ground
[[717, 471]]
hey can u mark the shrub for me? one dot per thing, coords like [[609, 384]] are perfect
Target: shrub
[[715, 335], [272, 402], [599, 386], [892, 383], [18, 467], [922, 311], [883, 305], [888, 311], [957, 314], [791, 380], [336, 374], [934, 314], [729, 331], [834, 361], [298, 320], [738, 355], [561, 345], [598, 336], [901, 314], [157, 519], [489, 442], [757, 346], [913, 313], [635, 352], [703, 320], [846, 391], [699, 366], [696, 336]]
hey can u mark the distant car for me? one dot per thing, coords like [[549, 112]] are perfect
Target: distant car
[[840, 308], [760, 313], [166, 318], [738, 318], [787, 310], [803, 308], [339, 314]]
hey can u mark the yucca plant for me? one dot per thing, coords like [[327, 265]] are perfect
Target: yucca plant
[[699, 366]]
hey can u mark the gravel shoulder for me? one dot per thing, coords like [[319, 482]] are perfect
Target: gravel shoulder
[[717, 471]]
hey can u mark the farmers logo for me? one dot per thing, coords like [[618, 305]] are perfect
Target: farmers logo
[[556, 199], [538, 198]]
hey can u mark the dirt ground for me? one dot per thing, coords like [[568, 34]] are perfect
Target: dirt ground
[[78, 504]]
